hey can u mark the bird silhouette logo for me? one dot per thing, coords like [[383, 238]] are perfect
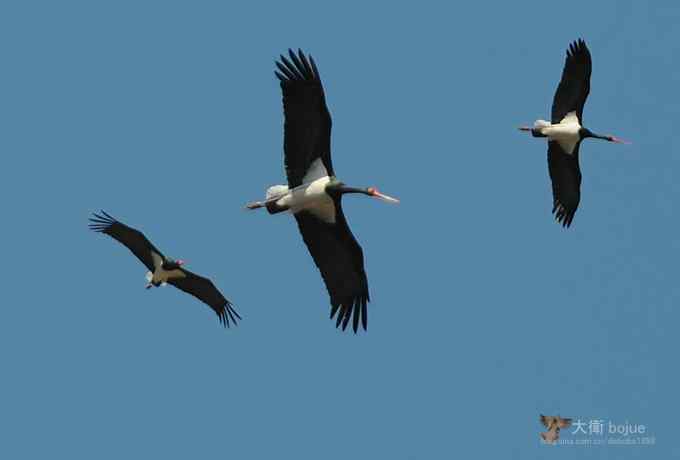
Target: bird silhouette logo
[[554, 423]]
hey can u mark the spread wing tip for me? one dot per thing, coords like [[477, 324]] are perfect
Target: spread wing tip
[[296, 67], [228, 315], [354, 308], [576, 47], [101, 222], [563, 215]]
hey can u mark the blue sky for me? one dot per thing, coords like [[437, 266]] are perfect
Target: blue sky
[[484, 312]]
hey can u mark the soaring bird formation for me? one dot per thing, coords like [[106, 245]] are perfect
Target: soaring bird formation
[[314, 195]]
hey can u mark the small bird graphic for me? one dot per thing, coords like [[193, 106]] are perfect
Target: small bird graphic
[[553, 424]]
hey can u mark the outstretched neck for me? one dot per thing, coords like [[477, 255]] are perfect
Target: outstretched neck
[[343, 189], [585, 133]]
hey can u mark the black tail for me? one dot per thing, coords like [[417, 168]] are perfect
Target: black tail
[[274, 208]]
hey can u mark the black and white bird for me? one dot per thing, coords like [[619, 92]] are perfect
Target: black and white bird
[[565, 132], [163, 270], [314, 195]]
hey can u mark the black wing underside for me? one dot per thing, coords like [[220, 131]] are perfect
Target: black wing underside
[[565, 175], [307, 126], [341, 262], [133, 239], [574, 86], [205, 291]]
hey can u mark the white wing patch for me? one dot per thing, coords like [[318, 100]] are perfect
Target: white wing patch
[[569, 119], [316, 171]]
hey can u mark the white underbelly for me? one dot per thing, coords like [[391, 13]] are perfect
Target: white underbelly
[[311, 197], [567, 135]]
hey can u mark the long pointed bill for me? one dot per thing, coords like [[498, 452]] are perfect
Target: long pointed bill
[[524, 128], [618, 141], [375, 193]]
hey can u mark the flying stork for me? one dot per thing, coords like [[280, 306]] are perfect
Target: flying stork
[[314, 195], [565, 132], [164, 270]]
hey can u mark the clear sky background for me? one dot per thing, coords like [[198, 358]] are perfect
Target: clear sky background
[[484, 312]]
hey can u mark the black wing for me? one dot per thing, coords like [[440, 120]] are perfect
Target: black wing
[[565, 175], [574, 87], [133, 239], [205, 291], [307, 126], [341, 263]]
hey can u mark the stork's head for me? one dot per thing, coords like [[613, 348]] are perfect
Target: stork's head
[[173, 264], [585, 132], [372, 191]]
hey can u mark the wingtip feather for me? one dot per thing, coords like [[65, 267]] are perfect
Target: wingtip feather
[[101, 222], [228, 315], [352, 309]]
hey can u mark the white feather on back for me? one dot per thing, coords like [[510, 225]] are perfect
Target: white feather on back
[[276, 191]]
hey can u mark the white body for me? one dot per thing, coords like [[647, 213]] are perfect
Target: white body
[[310, 196], [565, 133]]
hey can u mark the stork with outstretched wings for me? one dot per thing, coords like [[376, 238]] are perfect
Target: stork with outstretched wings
[[163, 270], [565, 132], [314, 194]]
